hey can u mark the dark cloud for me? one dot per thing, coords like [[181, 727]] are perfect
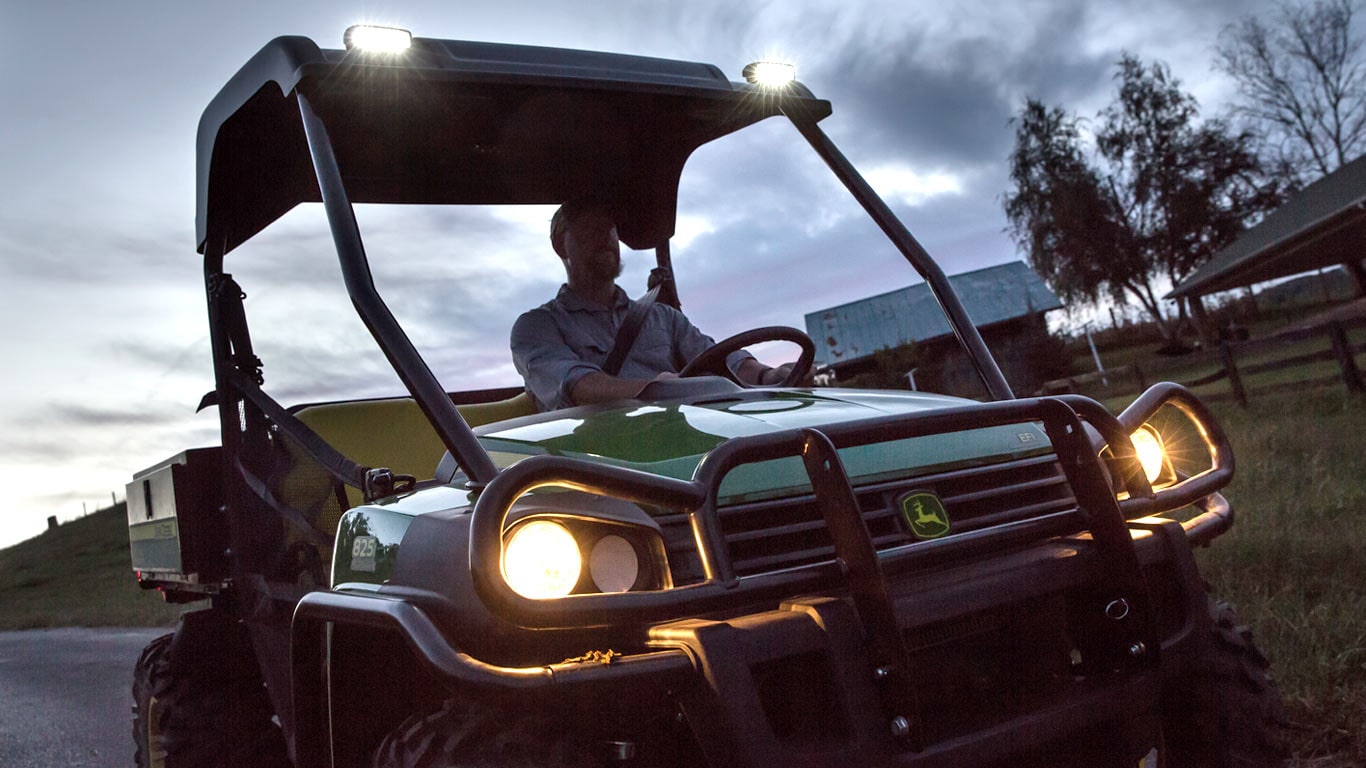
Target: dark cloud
[[99, 416], [96, 230]]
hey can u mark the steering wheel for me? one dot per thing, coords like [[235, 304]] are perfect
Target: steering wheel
[[713, 359]]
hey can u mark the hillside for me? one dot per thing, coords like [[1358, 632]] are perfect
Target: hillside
[[77, 575]]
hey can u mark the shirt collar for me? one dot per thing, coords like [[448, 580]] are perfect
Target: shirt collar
[[575, 303]]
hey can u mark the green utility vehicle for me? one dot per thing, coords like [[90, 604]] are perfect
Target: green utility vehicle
[[711, 574]]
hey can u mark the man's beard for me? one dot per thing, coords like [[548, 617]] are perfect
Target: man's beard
[[608, 269]]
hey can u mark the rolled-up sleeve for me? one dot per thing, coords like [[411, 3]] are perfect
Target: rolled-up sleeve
[[545, 360]]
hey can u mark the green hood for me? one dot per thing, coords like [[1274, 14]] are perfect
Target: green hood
[[671, 438]]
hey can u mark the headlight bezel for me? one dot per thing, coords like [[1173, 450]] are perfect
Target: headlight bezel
[[653, 573], [1187, 486]]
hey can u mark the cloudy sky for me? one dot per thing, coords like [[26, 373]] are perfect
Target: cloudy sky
[[105, 345]]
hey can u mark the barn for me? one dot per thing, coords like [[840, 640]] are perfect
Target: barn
[[1006, 302]]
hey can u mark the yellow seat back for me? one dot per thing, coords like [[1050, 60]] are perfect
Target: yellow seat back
[[394, 433]]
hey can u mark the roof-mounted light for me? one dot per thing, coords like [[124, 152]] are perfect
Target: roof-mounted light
[[371, 38], [770, 74]]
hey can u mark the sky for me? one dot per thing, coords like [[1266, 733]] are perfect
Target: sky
[[106, 349]]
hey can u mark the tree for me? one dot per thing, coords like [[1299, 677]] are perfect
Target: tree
[[1058, 212], [1301, 84], [1151, 198]]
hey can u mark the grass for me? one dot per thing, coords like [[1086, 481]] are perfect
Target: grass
[[77, 575], [1293, 563]]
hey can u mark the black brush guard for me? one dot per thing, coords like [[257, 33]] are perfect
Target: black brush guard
[[1121, 593], [1098, 509]]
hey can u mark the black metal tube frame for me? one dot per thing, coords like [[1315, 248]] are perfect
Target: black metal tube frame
[[1098, 509], [431, 397], [1192, 490], [221, 345], [997, 386]]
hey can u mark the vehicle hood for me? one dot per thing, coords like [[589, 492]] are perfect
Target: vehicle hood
[[671, 438]]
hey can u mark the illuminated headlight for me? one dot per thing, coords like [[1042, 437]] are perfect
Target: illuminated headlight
[[541, 560], [367, 37], [1151, 453], [770, 74]]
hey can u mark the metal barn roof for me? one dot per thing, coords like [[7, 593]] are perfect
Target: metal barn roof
[[1324, 224], [993, 295]]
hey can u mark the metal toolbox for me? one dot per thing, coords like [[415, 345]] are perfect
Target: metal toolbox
[[176, 531]]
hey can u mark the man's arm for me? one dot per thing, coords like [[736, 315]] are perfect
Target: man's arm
[[599, 387], [555, 376], [545, 361]]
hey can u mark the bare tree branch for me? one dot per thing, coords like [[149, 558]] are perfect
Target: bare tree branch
[[1302, 85]]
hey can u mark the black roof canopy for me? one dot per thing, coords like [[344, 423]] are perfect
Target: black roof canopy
[[454, 122]]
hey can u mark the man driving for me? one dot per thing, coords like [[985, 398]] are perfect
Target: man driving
[[560, 348]]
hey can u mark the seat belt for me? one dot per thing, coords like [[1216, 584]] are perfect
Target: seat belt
[[631, 324]]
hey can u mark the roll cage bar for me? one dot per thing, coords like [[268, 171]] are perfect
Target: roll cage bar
[[457, 122]]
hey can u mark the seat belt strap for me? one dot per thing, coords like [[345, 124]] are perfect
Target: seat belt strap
[[629, 330], [330, 459]]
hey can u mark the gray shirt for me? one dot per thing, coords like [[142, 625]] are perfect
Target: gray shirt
[[567, 338]]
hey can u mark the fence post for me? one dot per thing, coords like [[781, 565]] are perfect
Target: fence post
[[1142, 380], [1343, 351], [1231, 368]]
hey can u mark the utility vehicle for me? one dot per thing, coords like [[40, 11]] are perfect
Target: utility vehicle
[[709, 575]]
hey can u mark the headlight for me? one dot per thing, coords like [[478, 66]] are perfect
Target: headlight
[[613, 564], [541, 560], [1151, 453]]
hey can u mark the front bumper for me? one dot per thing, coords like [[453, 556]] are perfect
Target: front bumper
[[794, 684]]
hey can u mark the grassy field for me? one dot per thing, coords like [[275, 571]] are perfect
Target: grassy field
[[1295, 561], [1294, 564], [77, 575]]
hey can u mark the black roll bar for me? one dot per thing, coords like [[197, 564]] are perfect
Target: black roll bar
[[431, 397], [997, 386]]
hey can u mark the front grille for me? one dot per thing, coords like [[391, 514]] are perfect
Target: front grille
[[768, 536]]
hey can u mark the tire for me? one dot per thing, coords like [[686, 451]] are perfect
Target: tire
[[1232, 714], [200, 717], [466, 734]]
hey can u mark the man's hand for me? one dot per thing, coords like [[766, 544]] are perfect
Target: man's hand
[[772, 376], [755, 373]]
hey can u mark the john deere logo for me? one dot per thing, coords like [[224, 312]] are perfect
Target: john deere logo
[[924, 512]]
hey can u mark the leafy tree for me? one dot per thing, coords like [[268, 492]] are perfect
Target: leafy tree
[[1060, 213], [1153, 196]]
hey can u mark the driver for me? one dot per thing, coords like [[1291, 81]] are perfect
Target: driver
[[560, 346]]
